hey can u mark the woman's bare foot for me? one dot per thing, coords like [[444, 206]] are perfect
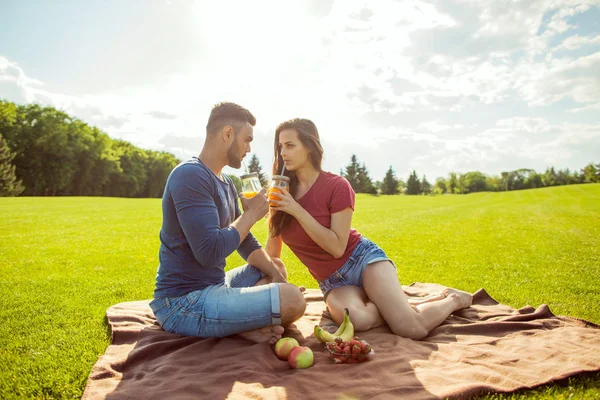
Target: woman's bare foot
[[269, 334], [464, 299]]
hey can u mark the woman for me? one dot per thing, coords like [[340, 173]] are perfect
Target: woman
[[314, 221]]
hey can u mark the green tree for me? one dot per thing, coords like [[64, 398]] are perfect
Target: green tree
[[9, 185], [365, 184], [440, 186], [351, 172], [493, 183], [591, 173], [475, 182], [452, 183], [413, 186], [425, 186], [378, 185], [254, 166], [390, 183], [159, 166], [237, 182], [549, 177]]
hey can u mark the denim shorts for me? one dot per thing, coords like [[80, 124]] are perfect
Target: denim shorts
[[351, 273], [222, 310]]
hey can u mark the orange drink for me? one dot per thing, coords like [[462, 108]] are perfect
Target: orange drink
[[249, 195], [279, 183], [250, 185]]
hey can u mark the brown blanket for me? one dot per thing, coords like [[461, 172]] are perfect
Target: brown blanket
[[488, 347]]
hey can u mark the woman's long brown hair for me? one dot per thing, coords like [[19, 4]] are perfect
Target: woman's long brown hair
[[309, 137]]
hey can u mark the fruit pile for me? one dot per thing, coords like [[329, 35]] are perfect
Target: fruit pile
[[343, 346], [344, 332], [350, 352], [297, 356]]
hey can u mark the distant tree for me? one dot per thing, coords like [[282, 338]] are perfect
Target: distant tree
[[452, 183], [159, 166], [352, 172], [533, 180], [365, 184], [461, 184], [549, 177], [237, 182], [591, 173], [440, 186], [9, 185], [506, 179], [413, 186], [401, 186], [254, 166], [425, 186], [390, 183], [493, 183], [475, 182], [377, 185]]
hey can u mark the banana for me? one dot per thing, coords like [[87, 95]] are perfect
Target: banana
[[323, 336], [345, 330], [341, 328], [348, 333]]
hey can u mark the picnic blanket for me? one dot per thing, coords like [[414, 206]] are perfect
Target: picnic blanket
[[487, 347]]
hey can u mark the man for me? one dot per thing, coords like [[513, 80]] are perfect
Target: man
[[202, 225]]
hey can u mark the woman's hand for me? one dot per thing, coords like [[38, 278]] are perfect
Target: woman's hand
[[286, 203], [277, 277]]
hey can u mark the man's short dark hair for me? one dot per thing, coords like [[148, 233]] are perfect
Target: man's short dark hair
[[228, 114]]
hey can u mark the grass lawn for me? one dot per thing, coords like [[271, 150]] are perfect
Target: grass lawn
[[65, 260]]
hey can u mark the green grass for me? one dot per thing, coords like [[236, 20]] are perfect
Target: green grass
[[65, 260]]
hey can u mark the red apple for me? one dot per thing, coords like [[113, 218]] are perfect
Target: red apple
[[284, 346], [301, 357]]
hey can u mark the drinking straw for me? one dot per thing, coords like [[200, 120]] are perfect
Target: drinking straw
[[283, 169]]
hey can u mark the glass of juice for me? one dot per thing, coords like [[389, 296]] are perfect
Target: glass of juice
[[279, 183], [250, 185]]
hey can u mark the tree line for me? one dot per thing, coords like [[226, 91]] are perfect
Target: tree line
[[357, 175], [45, 152], [470, 182]]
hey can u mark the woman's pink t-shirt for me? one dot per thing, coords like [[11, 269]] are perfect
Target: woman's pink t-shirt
[[328, 195]]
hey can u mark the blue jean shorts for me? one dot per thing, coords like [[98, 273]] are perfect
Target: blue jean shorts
[[351, 273], [222, 310]]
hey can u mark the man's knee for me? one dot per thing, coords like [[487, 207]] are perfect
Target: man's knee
[[292, 303], [280, 265]]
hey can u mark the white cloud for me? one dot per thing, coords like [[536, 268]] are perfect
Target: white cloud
[[551, 81], [431, 85], [436, 126], [576, 42]]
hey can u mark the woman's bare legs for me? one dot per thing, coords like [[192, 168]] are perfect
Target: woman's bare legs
[[428, 299], [382, 287], [363, 312]]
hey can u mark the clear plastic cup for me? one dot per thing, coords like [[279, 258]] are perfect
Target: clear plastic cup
[[279, 183], [250, 185]]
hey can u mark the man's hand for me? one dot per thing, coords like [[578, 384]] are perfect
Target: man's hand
[[258, 205]]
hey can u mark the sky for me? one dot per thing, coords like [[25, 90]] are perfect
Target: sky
[[435, 86]]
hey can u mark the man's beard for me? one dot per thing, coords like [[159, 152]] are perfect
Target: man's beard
[[233, 157]]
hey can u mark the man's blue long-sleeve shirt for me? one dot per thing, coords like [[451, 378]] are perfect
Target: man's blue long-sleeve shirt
[[195, 236]]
